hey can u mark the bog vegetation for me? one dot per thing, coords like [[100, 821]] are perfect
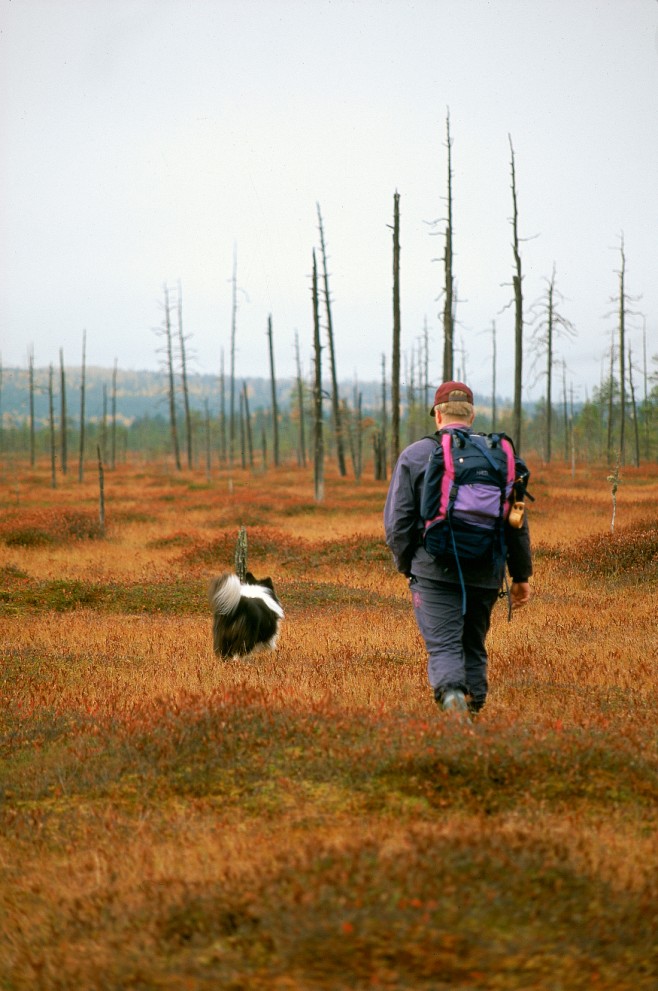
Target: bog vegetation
[[307, 819]]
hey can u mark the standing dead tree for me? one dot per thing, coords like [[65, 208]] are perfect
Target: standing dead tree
[[493, 376], [550, 324], [517, 279], [169, 363], [183, 366], [234, 314], [335, 402], [63, 415], [623, 312], [113, 460], [301, 447], [222, 411], [81, 461], [275, 408], [30, 379], [318, 435], [448, 281], [395, 368], [51, 421]]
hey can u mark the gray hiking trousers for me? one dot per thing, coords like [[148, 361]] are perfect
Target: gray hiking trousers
[[456, 654]]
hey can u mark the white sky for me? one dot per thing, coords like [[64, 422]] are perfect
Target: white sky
[[142, 139]]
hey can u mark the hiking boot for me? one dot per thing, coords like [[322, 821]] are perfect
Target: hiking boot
[[454, 700]]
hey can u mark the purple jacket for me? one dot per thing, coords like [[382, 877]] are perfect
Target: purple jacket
[[404, 527]]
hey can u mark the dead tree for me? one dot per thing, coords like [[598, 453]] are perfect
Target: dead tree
[[247, 424], [30, 377], [518, 312], [275, 408], [51, 421], [81, 460], [493, 376], [169, 358], [206, 420], [113, 460], [234, 314], [622, 352], [335, 403], [380, 449], [63, 415], [101, 493], [623, 312], [183, 367], [222, 412], [301, 447], [104, 424], [448, 281], [395, 369], [318, 435], [550, 324], [636, 429]]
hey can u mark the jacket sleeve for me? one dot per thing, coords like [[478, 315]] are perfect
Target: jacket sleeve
[[519, 551], [401, 517]]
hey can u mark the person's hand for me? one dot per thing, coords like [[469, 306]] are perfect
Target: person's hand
[[520, 593]]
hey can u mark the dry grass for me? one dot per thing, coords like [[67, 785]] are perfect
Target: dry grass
[[307, 819]]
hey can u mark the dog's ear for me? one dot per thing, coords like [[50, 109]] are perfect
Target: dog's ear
[[250, 580], [267, 582]]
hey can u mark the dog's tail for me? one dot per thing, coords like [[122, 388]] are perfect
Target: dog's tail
[[225, 594]]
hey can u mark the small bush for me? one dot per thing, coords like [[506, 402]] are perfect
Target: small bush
[[630, 551]]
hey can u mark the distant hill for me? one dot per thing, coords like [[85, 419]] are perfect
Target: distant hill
[[144, 394]]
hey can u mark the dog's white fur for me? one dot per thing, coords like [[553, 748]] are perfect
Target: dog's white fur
[[244, 615]]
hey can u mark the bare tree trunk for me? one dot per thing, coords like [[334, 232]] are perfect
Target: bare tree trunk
[[636, 430], [518, 313], [301, 449], [381, 472], [30, 376], [565, 411], [51, 420], [549, 366], [493, 377], [243, 439], [395, 370], [207, 436], [247, 423], [318, 436], [186, 392], [113, 461], [275, 408], [448, 284], [611, 402], [234, 312], [172, 388], [1, 427], [241, 554], [63, 416], [101, 492], [335, 402], [622, 353], [646, 409], [104, 424], [222, 413], [81, 461]]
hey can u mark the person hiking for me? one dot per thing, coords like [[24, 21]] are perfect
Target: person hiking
[[452, 595]]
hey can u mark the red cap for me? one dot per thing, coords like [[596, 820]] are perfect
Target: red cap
[[452, 392]]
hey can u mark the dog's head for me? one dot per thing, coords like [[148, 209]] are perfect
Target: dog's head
[[267, 583]]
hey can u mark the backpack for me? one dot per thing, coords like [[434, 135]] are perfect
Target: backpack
[[467, 494]]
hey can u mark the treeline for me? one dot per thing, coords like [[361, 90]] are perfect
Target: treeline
[[586, 433]]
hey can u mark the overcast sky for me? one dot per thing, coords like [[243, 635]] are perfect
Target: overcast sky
[[144, 140]]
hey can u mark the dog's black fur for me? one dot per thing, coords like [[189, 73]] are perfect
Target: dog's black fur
[[246, 616]]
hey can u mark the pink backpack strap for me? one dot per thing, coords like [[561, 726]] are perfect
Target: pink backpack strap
[[511, 461]]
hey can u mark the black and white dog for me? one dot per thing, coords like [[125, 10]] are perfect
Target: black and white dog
[[246, 616]]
